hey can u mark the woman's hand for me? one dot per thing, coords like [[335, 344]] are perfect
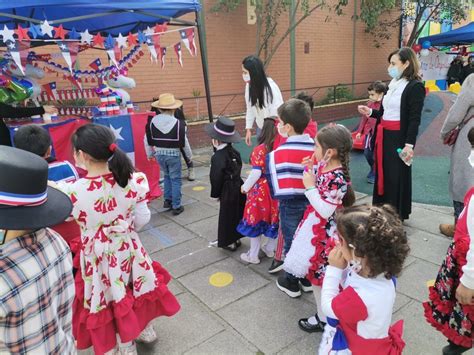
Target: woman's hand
[[248, 137], [50, 109], [464, 295], [364, 110], [309, 179], [336, 258], [408, 151]]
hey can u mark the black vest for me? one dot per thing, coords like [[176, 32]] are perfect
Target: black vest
[[172, 139]]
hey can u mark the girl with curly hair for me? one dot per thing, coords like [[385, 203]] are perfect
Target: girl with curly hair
[[369, 256], [328, 188]]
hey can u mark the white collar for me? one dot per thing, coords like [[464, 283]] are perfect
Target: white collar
[[221, 146]]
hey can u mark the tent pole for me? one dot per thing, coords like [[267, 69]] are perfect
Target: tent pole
[[202, 46]]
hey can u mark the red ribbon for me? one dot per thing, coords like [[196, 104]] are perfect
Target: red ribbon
[[389, 126], [113, 147]]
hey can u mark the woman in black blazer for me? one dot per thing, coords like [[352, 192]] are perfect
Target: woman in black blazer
[[397, 127], [7, 111]]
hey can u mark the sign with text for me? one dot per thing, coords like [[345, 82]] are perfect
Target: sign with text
[[435, 65]]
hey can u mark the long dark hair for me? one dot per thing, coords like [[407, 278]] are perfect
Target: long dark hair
[[96, 141], [336, 136], [258, 81], [268, 133]]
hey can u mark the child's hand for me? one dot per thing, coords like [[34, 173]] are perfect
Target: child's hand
[[358, 135], [364, 110], [242, 191], [308, 162], [336, 258], [464, 295], [309, 179]]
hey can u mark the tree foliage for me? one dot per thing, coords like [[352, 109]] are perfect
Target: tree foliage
[[418, 13], [272, 22]]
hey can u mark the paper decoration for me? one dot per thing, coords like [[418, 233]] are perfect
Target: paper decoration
[[51, 91], [152, 49], [19, 53], [121, 41], [35, 31], [177, 50], [73, 34], [22, 33], [163, 55], [60, 32], [187, 36], [96, 64], [47, 29], [86, 37], [69, 51], [149, 31], [7, 34], [98, 40]]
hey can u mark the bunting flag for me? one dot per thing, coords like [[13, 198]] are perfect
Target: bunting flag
[[51, 91], [152, 49], [96, 64], [110, 48], [69, 51], [75, 82], [19, 53], [177, 50], [187, 36], [163, 55]]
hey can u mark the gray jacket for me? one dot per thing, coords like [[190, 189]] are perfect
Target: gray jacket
[[462, 174]]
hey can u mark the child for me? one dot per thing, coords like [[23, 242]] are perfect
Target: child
[[119, 289], [35, 139], [450, 308], [164, 137], [37, 286], [226, 182], [372, 249], [376, 92], [326, 191], [261, 211], [285, 170]]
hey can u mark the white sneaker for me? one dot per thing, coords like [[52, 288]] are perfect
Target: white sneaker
[[269, 254], [191, 174], [148, 335], [246, 257], [128, 350]]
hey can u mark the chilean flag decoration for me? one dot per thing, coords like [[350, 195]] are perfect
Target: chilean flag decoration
[[163, 55], [19, 53], [69, 51], [187, 36], [96, 64], [51, 91], [151, 47], [177, 50]]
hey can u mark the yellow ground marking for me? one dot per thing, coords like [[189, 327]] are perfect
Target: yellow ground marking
[[198, 188], [221, 279]]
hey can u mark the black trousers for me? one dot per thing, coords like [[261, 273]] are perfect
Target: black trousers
[[5, 138]]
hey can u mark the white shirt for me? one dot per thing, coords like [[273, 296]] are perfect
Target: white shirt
[[255, 113], [392, 100]]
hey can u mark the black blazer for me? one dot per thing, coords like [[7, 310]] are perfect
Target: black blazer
[[7, 111], [411, 106]]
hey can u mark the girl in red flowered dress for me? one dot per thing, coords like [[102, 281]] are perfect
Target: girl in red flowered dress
[[261, 211], [326, 191], [119, 289], [451, 306]]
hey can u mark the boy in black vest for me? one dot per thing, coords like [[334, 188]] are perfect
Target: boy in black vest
[[165, 136]]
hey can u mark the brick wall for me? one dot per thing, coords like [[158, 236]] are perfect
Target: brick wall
[[230, 39]]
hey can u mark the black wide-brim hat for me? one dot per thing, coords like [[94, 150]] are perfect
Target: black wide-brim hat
[[223, 130], [26, 200]]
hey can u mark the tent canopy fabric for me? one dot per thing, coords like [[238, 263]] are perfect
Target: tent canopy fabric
[[461, 35], [111, 16]]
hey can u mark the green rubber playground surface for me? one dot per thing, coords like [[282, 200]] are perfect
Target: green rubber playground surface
[[430, 168]]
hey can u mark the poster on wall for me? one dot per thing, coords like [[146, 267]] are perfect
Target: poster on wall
[[435, 65]]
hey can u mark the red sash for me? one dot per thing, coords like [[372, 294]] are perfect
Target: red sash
[[390, 126]]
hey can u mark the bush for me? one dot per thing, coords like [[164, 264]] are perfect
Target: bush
[[342, 94]]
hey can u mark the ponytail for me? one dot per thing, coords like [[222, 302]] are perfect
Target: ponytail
[[349, 197], [99, 142]]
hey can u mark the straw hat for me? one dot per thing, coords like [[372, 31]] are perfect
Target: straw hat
[[167, 102]]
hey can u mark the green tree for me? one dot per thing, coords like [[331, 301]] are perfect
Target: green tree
[[420, 13], [271, 19]]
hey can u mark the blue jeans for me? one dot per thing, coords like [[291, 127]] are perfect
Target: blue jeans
[[171, 168], [291, 214]]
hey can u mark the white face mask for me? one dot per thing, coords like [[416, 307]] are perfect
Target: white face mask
[[471, 158], [246, 77], [281, 132]]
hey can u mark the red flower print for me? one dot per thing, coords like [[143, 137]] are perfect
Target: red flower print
[[138, 283], [126, 265], [99, 206], [101, 235], [112, 260], [73, 198], [112, 203], [135, 245], [94, 185], [466, 325], [124, 246], [105, 280], [142, 249], [145, 265], [82, 217], [103, 303], [131, 194], [140, 179], [110, 179], [89, 270]]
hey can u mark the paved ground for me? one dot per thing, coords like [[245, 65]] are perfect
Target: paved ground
[[250, 315]]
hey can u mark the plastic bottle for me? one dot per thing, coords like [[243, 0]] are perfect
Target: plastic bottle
[[403, 157]]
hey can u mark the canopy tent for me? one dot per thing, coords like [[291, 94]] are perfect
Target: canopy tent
[[106, 16], [461, 35]]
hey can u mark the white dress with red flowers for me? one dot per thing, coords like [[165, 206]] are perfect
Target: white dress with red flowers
[[119, 289]]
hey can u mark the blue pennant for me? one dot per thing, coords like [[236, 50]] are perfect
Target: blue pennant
[[35, 31], [141, 37], [73, 34]]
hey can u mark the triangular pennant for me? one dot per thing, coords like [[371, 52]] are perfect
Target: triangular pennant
[[162, 56], [69, 51], [187, 36], [177, 50]]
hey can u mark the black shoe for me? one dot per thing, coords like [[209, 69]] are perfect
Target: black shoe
[[454, 349], [276, 266], [311, 328], [167, 205], [238, 243], [232, 247], [306, 285], [177, 211], [290, 287]]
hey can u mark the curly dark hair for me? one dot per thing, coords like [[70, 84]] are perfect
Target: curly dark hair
[[377, 234]]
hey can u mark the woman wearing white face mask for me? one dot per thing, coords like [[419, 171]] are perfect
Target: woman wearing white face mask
[[262, 95], [397, 127], [461, 176]]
